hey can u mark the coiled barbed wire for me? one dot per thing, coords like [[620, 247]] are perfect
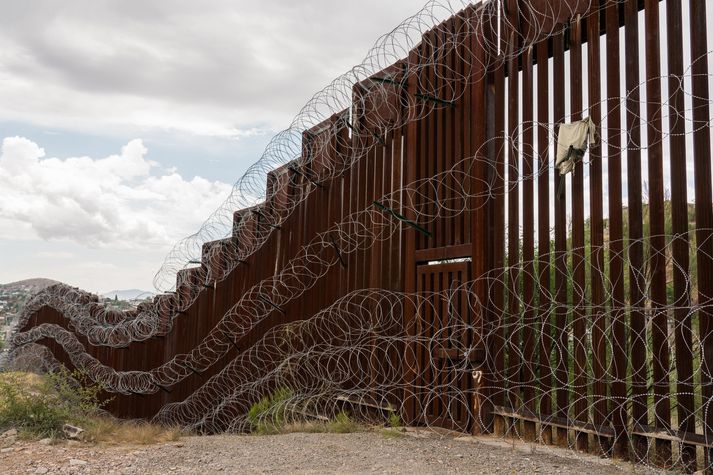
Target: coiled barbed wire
[[362, 353], [325, 370], [357, 232]]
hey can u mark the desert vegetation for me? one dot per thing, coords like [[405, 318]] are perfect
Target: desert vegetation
[[67, 405]]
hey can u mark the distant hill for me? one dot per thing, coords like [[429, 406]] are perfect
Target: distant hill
[[128, 294], [28, 285]]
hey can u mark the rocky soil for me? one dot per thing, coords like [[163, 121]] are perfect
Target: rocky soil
[[412, 453]]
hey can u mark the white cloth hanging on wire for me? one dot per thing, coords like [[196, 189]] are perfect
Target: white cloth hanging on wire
[[572, 141]]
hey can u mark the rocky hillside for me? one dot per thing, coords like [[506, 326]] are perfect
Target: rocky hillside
[[27, 286]]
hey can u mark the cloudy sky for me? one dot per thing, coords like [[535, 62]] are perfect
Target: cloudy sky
[[123, 124]]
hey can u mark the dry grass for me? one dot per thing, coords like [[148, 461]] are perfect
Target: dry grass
[[341, 427], [110, 431], [340, 424], [393, 433], [27, 381], [309, 427]]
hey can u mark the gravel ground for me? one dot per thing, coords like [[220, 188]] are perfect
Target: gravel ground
[[413, 453]]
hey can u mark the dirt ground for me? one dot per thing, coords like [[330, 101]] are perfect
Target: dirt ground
[[414, 452]]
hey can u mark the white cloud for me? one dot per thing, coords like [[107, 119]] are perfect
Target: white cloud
[[120, 201], [205, 67], [54, 255]]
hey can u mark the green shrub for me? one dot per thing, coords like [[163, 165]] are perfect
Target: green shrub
[[40, 409], [343, 424], [394, 426], [267, 416], [394, 420], [76, 391], [34, 413]]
